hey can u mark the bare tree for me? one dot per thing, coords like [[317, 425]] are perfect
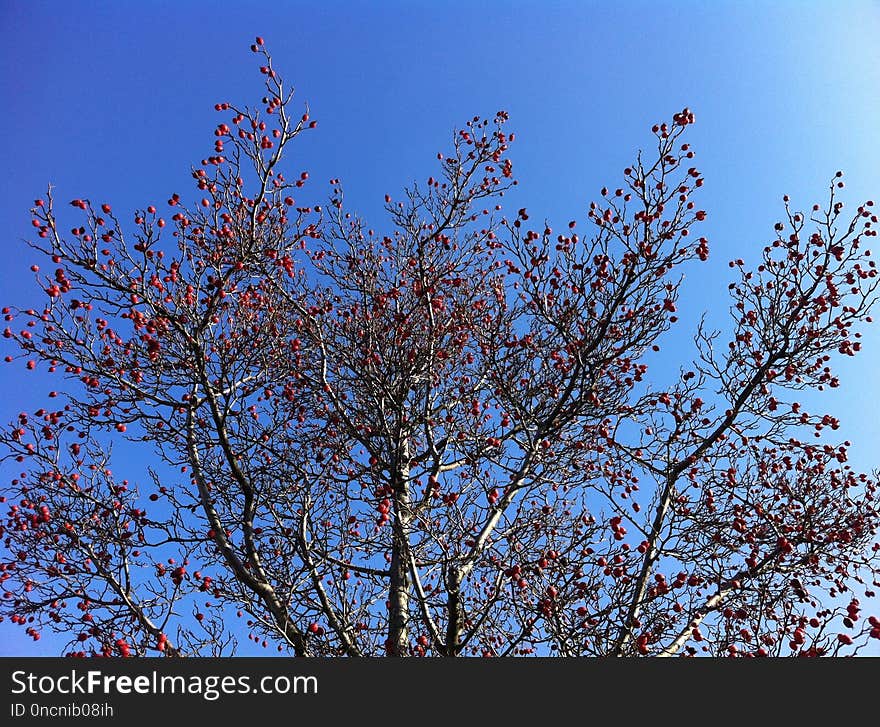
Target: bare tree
[[439, 441]]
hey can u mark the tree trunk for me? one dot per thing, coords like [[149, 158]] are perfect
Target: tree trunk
[[453, 613], [398, 590]]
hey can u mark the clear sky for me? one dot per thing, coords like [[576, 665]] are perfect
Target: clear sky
[[114, 100]]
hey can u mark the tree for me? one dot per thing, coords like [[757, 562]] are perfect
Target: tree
[[439, 441]]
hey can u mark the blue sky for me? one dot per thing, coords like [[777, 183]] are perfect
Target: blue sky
[[113, 101]]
